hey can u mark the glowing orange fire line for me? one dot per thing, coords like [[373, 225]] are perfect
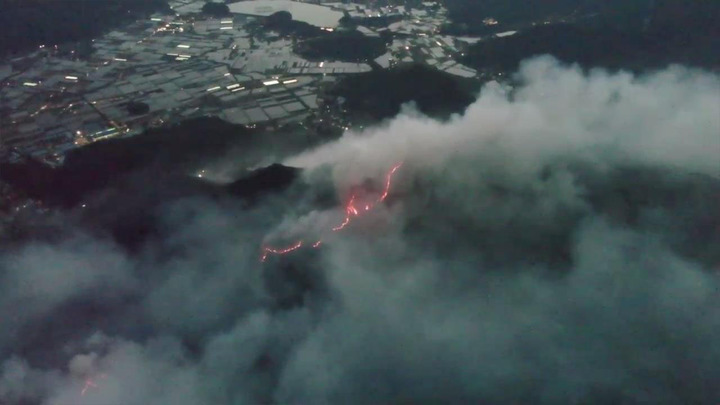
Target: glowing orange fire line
[[388, 180], [350, 211], [267, 251]]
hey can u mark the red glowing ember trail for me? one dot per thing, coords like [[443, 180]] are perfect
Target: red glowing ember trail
[[388, 180], [274, 251], [350, 211], [344, 224], [89, 383]]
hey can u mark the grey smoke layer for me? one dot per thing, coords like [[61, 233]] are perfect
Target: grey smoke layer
[[557, 243]]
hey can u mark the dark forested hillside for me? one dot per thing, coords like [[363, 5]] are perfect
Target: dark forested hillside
[[380, 94], [467, 17], [25, 24], [172, 149], [672, 31], [342, 46]]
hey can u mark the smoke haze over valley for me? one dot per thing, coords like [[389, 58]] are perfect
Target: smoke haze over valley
[[555, 243]]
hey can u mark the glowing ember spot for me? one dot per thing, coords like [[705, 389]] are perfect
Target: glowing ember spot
[[350, 211], [268, 251]]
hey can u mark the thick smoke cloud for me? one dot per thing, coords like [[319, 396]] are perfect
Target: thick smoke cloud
[[557, 243], [669, 118]]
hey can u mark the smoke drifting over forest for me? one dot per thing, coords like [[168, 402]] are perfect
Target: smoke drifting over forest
[[557, 243]]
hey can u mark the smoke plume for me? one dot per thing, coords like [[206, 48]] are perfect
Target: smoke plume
[[556, 243]]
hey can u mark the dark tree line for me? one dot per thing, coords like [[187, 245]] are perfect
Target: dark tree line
[[349, 46], [26, 24], [216, 9], [380, 94], [685, 32]]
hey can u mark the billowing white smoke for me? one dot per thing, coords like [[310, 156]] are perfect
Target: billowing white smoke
[[458, 296], [669, 118]]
